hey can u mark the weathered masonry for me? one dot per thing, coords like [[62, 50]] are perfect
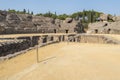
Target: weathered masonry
[[11, 47], [19, 45], [87, 38], [13, 23]]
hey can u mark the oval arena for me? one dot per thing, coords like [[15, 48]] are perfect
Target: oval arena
[[60, 57]]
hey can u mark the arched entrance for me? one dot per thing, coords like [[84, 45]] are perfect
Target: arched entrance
[[54, 30], [96, 31], [66, 31], [108, 31]]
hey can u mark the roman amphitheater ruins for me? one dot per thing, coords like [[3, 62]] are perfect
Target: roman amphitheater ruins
[[53, 49]]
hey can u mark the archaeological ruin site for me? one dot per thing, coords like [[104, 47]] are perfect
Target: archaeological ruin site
[[42, 48]]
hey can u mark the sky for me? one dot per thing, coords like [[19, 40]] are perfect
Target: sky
[[62, 6]]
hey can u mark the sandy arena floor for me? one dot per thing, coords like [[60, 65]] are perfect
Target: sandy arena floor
[[63, 61]]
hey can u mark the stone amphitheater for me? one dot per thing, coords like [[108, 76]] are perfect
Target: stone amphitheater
[[103, 26], [53, 49], [11, 23]]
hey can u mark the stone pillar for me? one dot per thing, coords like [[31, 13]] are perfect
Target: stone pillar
[[56, 38], [62, 38], [76, 39], [41, 39], [49, 38], [31, 41], [59, 38], [66, 38]]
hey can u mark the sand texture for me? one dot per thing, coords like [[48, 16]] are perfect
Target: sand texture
[[65, 61]]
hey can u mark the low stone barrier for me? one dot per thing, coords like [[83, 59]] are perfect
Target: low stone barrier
[[93, 39], [14, 54], [23, 44], [10, 47]]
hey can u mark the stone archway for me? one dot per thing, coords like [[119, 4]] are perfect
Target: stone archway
[[55, 30], [44, 40], [66, 31], [108, 31], [96, 30]]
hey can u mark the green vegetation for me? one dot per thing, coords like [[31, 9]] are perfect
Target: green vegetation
[[48, 14], [20, 12], [54, 15], [85, 16]]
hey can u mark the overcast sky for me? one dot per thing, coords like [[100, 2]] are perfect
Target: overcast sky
[[62, 6]]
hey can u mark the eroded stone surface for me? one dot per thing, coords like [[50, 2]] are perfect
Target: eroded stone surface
[[25, 23], [104, 26]]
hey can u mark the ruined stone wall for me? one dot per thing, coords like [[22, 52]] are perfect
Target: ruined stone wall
[[11, 47], [105, 26], [15, 47], [97, 39], [12, 23], [93, 39]]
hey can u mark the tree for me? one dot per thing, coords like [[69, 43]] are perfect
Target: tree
[[83, 16], [28, 11], [40, 14], [11, 11], [32, 13], [24, 11], [62, 17]]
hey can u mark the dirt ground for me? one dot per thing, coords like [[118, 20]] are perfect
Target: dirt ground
[[65, 61]]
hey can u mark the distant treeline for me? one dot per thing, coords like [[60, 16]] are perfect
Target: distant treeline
[[86, 16], [24, 11]]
